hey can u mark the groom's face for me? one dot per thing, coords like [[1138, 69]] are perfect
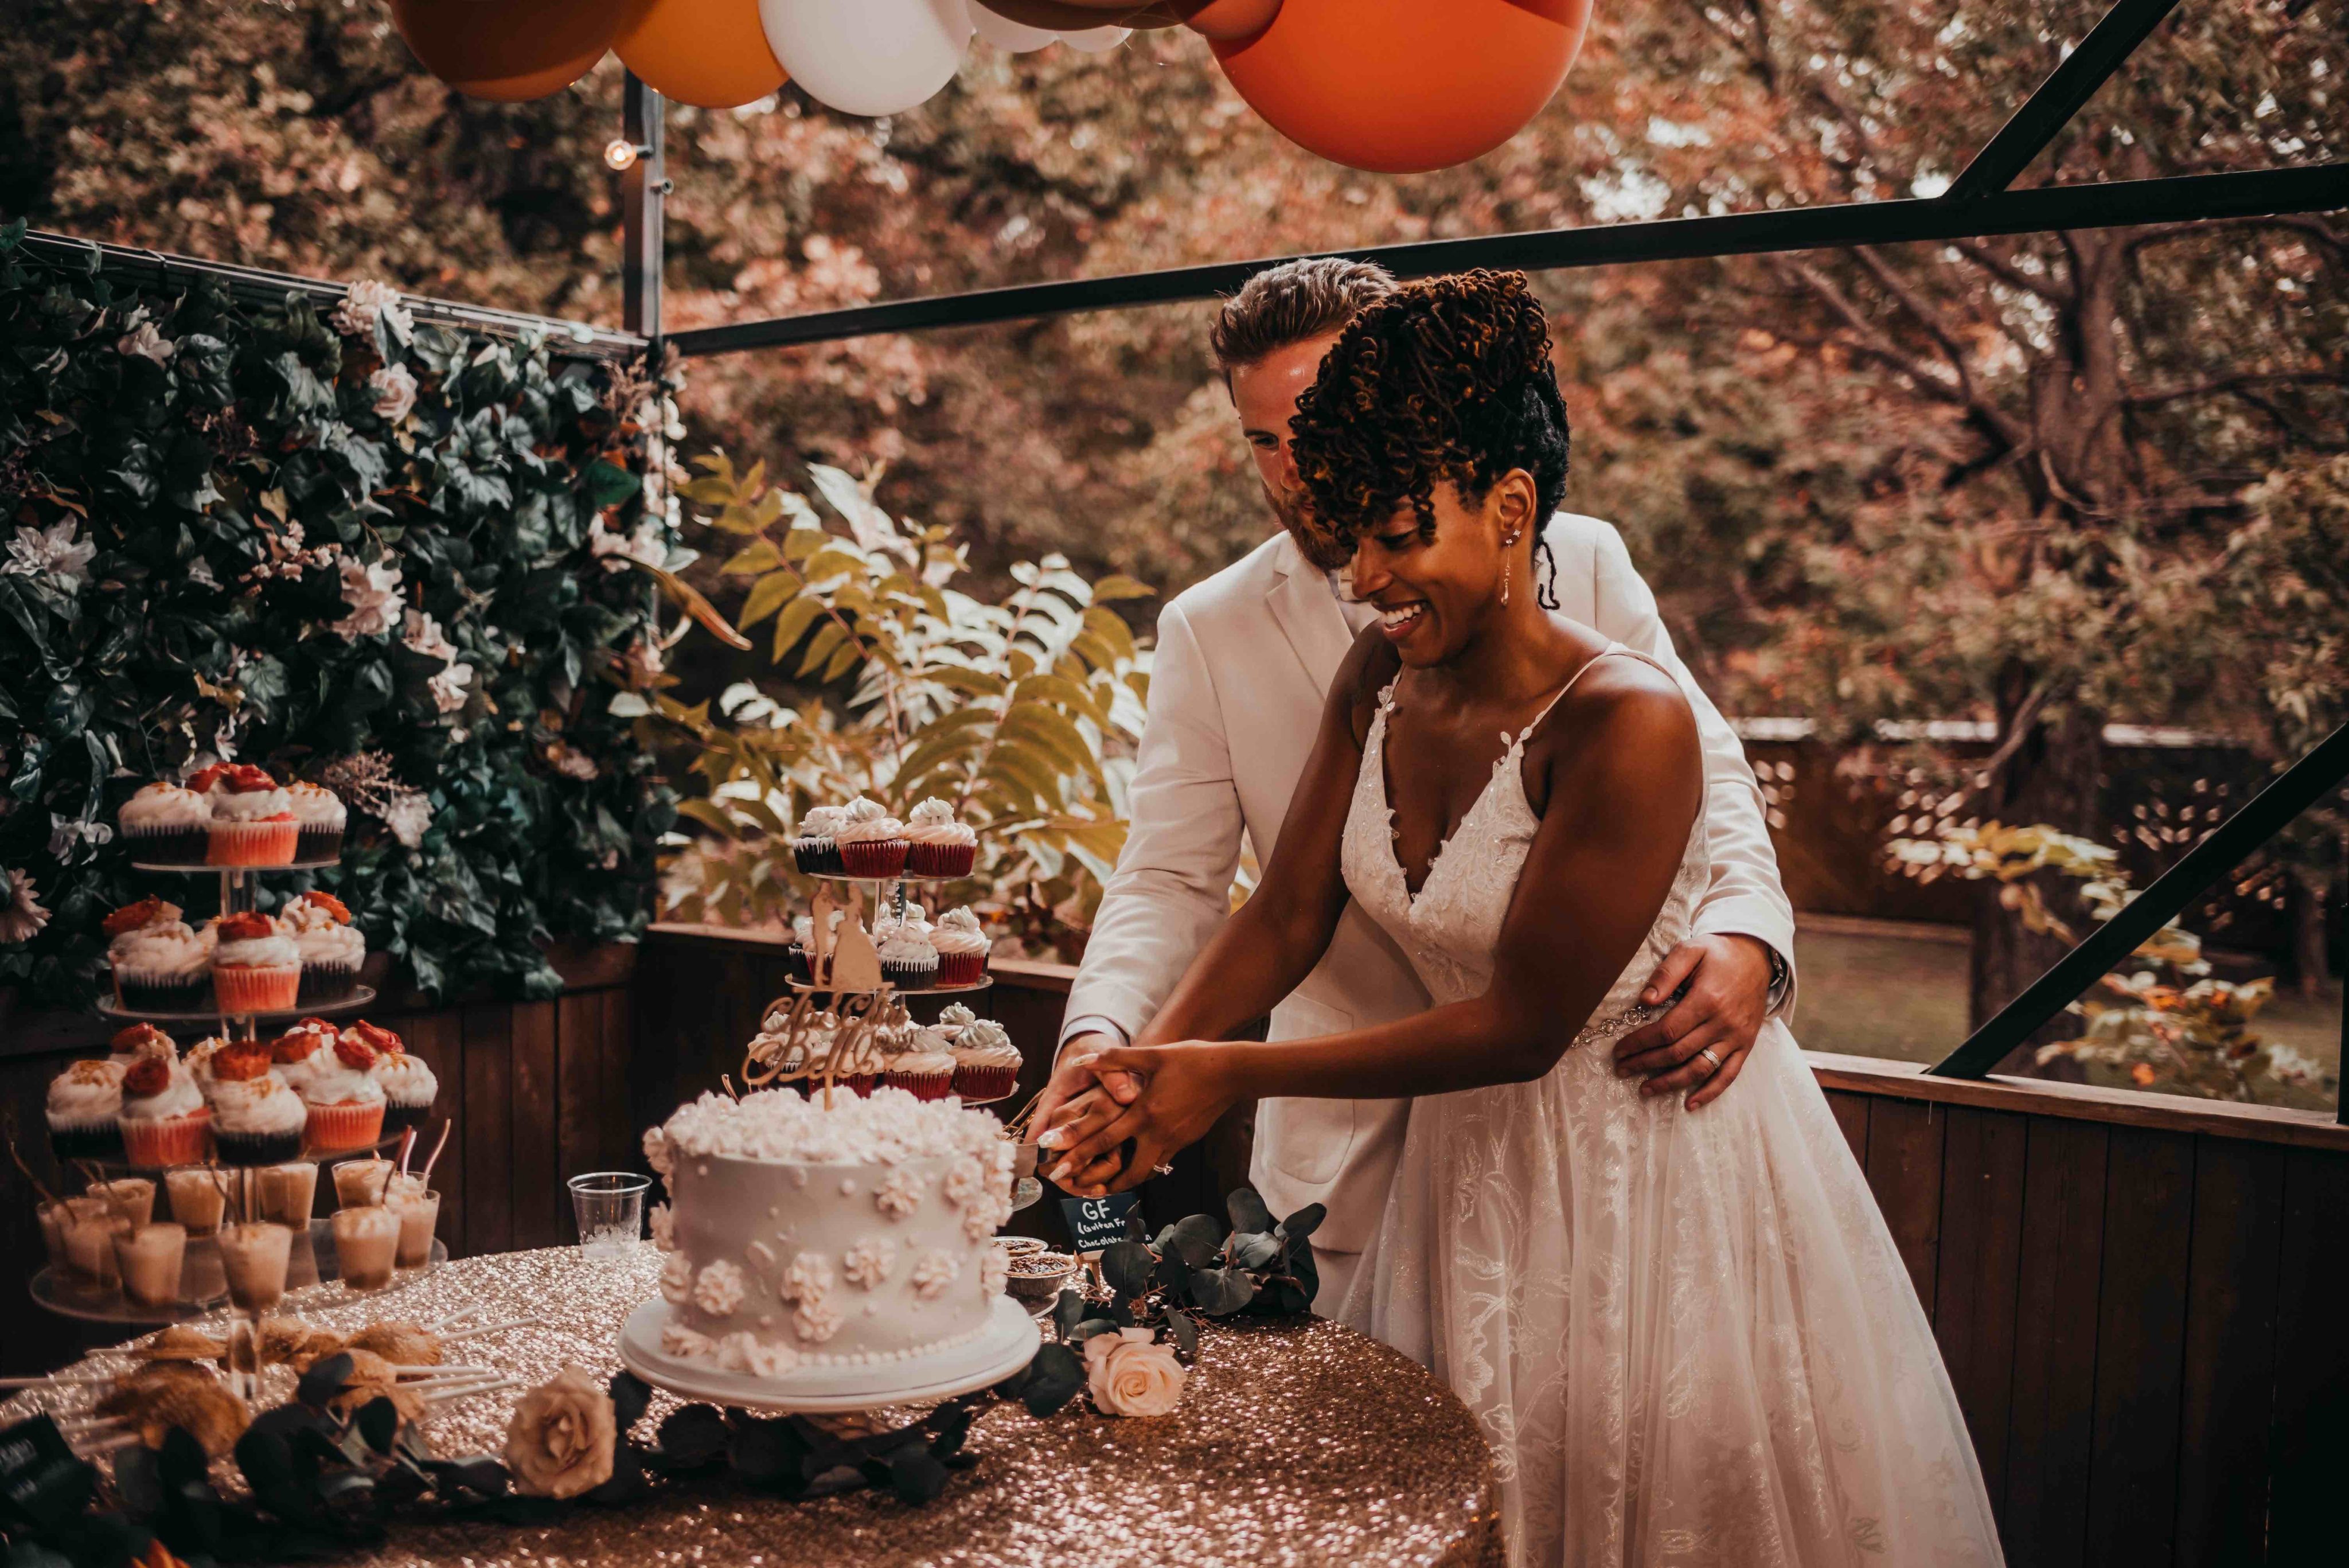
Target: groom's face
[[1265, 392]]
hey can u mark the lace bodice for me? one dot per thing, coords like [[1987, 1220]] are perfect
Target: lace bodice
[[1450, 928]]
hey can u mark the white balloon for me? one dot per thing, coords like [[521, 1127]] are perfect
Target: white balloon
[[1016, 37], [868, 57], [1097, 40]]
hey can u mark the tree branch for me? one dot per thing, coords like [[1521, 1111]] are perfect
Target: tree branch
[[2304, 225], [2217, 385], [2007, 273]]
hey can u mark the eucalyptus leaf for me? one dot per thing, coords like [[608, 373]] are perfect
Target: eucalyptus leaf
[[1221, 1292], [1197, 1239], [1126, 1267], [1246, 1207]]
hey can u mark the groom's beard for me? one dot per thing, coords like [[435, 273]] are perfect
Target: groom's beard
[[1318, 546]]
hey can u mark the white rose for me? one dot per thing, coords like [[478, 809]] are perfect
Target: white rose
[[559, 1443], [1128, 1374]]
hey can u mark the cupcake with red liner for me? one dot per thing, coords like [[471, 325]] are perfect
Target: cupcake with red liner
[[303, 1051], [331, 948], [165, 1119], [252, 819], [925, 1074], [256, 968], [160, 962], [937, 845], [85, 1110], [986, 1063], [962, 948], [871, 842], [319, 819], [166, 824], [344, 1100], [408, 1086], [138, 1040], [256, 1119]]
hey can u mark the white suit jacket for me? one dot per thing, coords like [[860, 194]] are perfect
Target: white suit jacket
[[1244, 663]]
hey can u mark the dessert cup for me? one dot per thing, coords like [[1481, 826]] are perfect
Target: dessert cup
[[133, 1196], [417, 1214], [198, 1197], [366, 1243], [358, 1183], [53, 1215], [254, 1257], [149, 1259], [91, 1225], [285, 1194]]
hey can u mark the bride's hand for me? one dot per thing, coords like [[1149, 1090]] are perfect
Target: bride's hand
[[1185, 1087]]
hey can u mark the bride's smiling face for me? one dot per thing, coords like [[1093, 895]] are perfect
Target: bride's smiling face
[[1436, 596]]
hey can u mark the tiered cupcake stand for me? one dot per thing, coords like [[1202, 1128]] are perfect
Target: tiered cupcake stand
[[312, 1273], [1028, 1190]]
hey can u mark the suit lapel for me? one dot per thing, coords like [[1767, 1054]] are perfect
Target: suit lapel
[[1308, 615]]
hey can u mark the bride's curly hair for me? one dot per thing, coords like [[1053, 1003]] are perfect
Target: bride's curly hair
[[1448, 379]]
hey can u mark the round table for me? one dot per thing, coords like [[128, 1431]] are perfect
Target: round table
[[1296, 1441]]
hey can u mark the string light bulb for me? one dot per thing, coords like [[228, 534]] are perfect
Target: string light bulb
[[620, 155]]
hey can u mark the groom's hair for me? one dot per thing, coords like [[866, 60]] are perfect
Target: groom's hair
[[1292, 302]]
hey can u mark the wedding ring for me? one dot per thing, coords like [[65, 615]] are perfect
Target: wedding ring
[[1163, 1169], [1706, 1051]]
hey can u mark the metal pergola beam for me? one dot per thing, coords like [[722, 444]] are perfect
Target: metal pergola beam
[[254, 285], [2063, 94], [2316, 188]]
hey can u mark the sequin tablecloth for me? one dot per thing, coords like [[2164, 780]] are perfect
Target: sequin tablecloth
[[1302, 1443]]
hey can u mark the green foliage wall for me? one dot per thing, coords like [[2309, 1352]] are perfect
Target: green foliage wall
[[396, 560]]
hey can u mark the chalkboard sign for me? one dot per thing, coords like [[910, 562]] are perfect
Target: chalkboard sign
[[1095, 1222], [41, 1482]]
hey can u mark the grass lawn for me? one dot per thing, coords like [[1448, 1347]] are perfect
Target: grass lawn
[[1877, 988]]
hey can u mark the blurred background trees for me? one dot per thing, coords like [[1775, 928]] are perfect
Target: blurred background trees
[[2049, 484]]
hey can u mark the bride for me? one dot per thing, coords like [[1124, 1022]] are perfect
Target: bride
[[1684, 1333]]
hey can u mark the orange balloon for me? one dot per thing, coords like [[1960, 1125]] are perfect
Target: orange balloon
[[709, 53], [498, 48], [1397, 87], [1233, 21], [538, 84]]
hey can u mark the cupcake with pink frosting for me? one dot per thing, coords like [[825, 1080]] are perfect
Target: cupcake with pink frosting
[[961, 946], [871, 842], [937, 845]]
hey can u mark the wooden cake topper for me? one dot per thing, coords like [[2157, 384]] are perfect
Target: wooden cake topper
[[845, 958], [800, 1041]]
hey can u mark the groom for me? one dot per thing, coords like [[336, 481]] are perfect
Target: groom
[[1243, 663]]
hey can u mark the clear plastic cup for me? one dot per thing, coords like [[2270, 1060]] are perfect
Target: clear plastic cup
[[609, 1206], [358, 1183], [91, 1225], [285, 1194], [198, 1197], [150, 1259], [367, 1241], [53, 1215], [254, 1256], [133, 1196], [417, 1214]]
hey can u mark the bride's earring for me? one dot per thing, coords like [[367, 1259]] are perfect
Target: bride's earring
[[1508, 564]]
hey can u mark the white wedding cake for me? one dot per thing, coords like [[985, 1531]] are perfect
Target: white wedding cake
[[801, 1237]]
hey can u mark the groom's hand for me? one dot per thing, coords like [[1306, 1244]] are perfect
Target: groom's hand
[[1069, 1084], [1728, 980]]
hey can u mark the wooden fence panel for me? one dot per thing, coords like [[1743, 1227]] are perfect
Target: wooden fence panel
[[1979, 1270], [535, 1113], [2051, 1419], [2141, 1333], [2230, 1352]]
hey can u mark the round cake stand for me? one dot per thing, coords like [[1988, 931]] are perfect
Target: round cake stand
[[359, 997], [312, 1282], [1008, 1345]]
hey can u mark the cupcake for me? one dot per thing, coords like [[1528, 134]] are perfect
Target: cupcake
[[84, 1108], [344, 1100], [256, 1119], [318, 819], [961, 948], [907, 960], [953, 1018], [165, 824], [201, 1056], [164, 1118], [302, 1051], [252, 819], [986, 1063], [937, 845], [925, 1074], [815, 851], [138, 1040], [330, 946], [871, 842], [255, 967], [159, 963], [408, 1086]]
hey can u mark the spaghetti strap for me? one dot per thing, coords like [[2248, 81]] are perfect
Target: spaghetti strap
[[1527, 733]]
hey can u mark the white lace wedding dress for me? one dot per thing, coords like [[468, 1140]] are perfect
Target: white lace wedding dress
[[1687, 1335]]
